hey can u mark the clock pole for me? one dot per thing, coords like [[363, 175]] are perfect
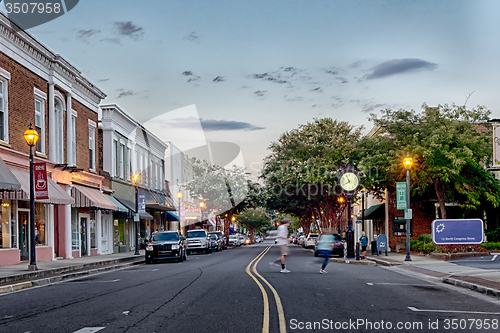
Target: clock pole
[[350, 231]]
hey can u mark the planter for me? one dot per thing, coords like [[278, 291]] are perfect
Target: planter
[[453, 256]]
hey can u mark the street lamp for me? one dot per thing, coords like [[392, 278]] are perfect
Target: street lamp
[[137, 179], [179, 196], [31, 137], [408, 162]]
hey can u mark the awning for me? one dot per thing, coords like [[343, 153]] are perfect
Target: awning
[[57, 195], [131, 207], [157, 200], [8, 182], [121, 208], [172, 217], [375, 212], [91, 197]]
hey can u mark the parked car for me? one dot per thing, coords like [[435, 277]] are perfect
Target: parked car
[[166, 245], [222, 238], [215, 244], [301, 239], [248, 241], [197, 240], [310, 240], [258, 239], [338, 246], [242, 240], [234, 241], [291, 238]]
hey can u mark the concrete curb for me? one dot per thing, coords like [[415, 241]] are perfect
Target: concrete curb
[[384, 262], [59, 278], [472, 286], [353, 261], [66, 269]]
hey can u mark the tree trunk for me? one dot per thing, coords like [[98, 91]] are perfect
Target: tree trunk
[[438, 187], [252, 236]]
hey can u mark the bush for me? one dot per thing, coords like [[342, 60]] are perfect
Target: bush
[[428, 248], [426, 238], [494, 235], [491, 246], [460, 248]]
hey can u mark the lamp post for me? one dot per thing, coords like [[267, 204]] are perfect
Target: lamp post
[[202, 206], [408, 162], [137, 179], [31, 137], [363, 209], [179, 196]]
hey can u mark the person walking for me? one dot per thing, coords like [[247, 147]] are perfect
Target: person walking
[[364, 243], [325, 248], [282, 242]]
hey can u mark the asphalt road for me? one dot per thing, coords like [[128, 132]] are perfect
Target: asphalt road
[[217, 293], [486, 262]]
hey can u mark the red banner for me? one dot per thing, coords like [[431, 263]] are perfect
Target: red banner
[[41, 185]]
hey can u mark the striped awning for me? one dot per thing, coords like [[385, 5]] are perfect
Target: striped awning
[[57, 195], [8, 182], [120, 207], [91, 197]]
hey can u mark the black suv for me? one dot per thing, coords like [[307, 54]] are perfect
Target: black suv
[[222, 238], [166, 245]]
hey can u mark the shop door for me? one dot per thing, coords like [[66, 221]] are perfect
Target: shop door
[[23, 218], [83, 238], [105, 235]]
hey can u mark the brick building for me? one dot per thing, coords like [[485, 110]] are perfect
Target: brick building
[[40, 87]]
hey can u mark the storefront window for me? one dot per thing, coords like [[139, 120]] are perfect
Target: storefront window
[[92, 225], [75, 234], [13, 225], [40, 224], [4, 225]]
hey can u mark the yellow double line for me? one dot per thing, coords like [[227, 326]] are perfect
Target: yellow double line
[[281, 314]]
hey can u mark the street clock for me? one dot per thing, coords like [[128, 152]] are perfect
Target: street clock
[[349, 179]]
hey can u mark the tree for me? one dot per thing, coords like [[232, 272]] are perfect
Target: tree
[[301, 172], [450, 147], [254, 219], [222, 190]]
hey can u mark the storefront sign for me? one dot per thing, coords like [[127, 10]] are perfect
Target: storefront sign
[[41, 185], [459, 231]]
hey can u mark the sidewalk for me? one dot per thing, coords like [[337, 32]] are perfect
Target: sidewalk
[[18, 276], [485, 281]]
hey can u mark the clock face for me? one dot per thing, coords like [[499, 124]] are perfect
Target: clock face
[[349, 181]]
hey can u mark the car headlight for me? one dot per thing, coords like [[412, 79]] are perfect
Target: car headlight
[[175, 247], [149, 248]]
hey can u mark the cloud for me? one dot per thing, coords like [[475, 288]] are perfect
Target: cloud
[[192, 76], [103, 80], [193, 36], [219, 79], [125, 93], [210, 125], [113, 40], [318, 90], [283, 75], [86, 34], [399, 66], [372, 107], [260, 93], [128, 29]]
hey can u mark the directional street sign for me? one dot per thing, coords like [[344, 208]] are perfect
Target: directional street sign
[[408, 214], [401, 195], [460, 231]]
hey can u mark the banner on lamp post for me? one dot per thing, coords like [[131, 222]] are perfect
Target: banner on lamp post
[[40, 179], [496, 145]]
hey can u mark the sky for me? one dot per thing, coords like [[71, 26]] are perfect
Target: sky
[[251, 70]]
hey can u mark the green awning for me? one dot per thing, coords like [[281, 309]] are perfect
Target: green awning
[[375, 212], [121, 208]]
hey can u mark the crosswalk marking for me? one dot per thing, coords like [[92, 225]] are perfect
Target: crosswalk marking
[[89, 329]]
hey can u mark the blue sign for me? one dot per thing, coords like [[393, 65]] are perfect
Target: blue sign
[[382, 244], [141, 203], [470, 231]]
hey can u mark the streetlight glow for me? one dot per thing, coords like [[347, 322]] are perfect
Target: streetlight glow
[[179, 195], [136, 178], [31, 136], [408, 161]]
